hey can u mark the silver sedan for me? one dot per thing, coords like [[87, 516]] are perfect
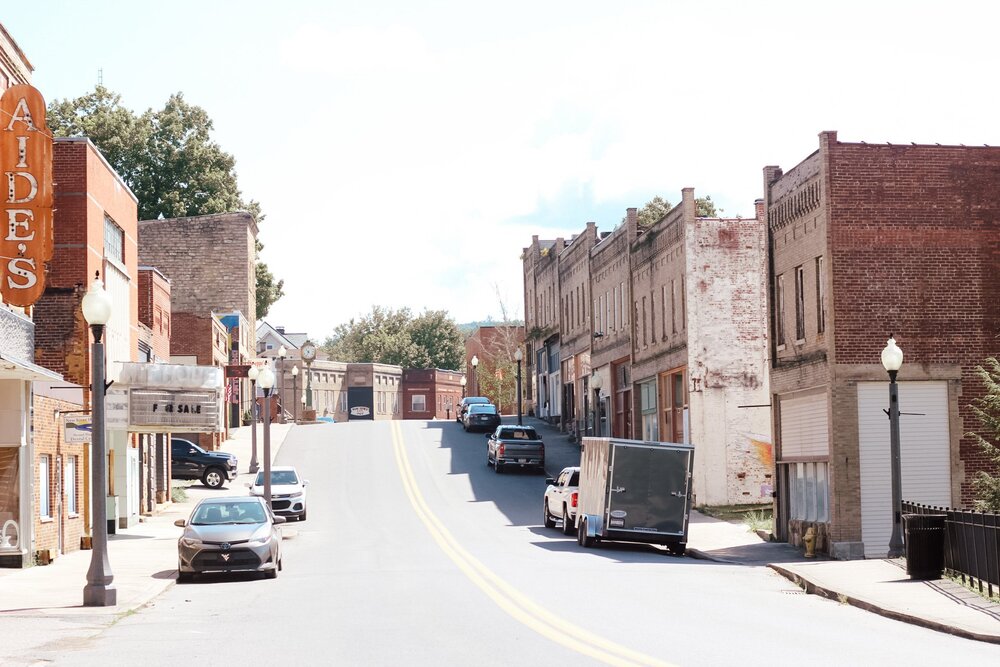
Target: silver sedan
[[238, 534]]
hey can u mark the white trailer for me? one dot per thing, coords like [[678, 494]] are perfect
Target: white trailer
[[635, 491]]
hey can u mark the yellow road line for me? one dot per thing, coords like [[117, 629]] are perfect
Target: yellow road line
[[512, 601]]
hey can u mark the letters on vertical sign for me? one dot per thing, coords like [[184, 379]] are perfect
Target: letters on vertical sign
[[26, 161]]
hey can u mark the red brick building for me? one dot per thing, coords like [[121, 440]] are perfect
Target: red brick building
[[866, 241], [430, 393], [494, 346]]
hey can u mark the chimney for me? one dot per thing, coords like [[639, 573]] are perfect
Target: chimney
[[758, 206], [280, 330]]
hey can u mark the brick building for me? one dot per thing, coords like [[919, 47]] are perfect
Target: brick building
[[494, 346], [431, 393], [575, 334], [374, 391], [541, 325], [154, 347], [868, 240], [699, 347]]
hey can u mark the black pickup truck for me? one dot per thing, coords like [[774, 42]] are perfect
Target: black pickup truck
[[189, 461], [512, 445]]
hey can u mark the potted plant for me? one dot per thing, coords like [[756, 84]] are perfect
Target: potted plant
[[247, 419]]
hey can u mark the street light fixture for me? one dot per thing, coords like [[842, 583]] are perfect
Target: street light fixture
[[475, 373], [892, 360], [99, 591], [295, 391], [463, 382], [266, 382], [282, 353], [253, 373], [595, 384], [518, 356]]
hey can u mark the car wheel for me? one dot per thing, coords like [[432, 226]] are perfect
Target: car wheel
[[546, 517], [302, 517], [271, 574], [213, 478], [567, 523], [497, 467], [184, 577]]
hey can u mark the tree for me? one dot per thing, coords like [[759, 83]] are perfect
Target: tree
[[987, 410], [395, 337], [657, 207], [167, 158], [497, 371]]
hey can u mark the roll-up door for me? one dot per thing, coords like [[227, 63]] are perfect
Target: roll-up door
[[805, 426], [925, 459]]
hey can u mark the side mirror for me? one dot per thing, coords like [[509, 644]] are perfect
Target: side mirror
[[549, 480], [305, 482], [248, 485], [279, 519], [180, 523]]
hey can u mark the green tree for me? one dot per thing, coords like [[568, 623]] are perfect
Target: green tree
[[388, 336], [657, 207], [987, 409], [167, 158], [437, 336]]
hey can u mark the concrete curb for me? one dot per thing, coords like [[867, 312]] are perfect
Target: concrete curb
[[815, 589]]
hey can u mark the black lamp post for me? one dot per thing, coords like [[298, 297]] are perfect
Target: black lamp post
[[892, 360], [99, 591], [253, 374], [518, 355], [475, 374], [595, 384], [266, 380], [282, 353], [295, 393]]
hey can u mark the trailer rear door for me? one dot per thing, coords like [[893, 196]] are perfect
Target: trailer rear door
[[648, 490]]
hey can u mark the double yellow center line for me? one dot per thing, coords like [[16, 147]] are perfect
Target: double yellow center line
[[512, 601]]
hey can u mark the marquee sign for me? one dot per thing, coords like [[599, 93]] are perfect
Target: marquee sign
[[165, 410], [26, 161]]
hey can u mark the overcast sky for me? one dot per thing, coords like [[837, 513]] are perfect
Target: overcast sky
[[405, 152]]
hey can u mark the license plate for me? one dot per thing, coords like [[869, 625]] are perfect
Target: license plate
[[522, 460]]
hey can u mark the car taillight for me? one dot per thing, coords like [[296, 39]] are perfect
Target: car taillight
[[500, 450], [572, 499]]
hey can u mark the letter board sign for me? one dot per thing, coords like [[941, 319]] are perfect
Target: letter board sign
[[164, 410]]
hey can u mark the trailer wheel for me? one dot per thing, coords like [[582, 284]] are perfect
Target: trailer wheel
[[677, 548], [581, 535]]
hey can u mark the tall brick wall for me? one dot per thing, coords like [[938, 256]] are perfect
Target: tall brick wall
[[48, 441], [154, 309]]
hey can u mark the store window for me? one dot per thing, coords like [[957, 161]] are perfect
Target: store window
[[418, 403], [44, 486], [69, 483], [10, 497], [647, 406], [809, 491], [673, 391]]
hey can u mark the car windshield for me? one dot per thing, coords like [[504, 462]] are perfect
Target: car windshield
[[278, 477], [210, 514], [519, 434], [483, 409]]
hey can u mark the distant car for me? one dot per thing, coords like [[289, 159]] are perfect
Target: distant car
[[481, 417], [238, 534], [288, 491], [466, 402], [189, 461], [513, 445], [561, 499]]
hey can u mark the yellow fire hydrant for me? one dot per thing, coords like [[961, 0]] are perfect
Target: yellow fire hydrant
[[809, 539]]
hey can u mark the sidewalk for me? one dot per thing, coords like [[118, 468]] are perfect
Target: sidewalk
[[143, 558], [880, 586]]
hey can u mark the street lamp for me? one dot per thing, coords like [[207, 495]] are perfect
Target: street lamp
[[282, 353], [595, 384], [99, 591], [266, 381], [463, 382], [475, 372], [253, 373], [892, 359], [517, 357], [295, 386]]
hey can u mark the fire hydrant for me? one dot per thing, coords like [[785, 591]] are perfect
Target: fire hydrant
[[809, 539]]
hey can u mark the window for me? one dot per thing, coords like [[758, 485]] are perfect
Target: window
[[644, 341], [820, 298], [114, 240], [779, 311], [673, 391], [597, 315], [608, 305], [663, 309], [683, 306], [673, 306], [652, 317], [418, 403], [44, 487], [69, 483], [647, 405], [800, 303], [624, 308], [809, 488]]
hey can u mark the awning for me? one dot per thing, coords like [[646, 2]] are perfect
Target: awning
[[12, 368]]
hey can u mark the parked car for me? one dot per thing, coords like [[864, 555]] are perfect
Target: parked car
[[515, 445], [465, 403], [189, 461], [481, 417], [288, 491], [238, 534], [561, 499]]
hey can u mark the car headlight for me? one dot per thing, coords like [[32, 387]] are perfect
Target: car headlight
[[297, 494], [191, 542], [259, 538]]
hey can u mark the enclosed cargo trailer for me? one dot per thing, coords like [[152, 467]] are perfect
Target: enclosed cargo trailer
[[636, 491]]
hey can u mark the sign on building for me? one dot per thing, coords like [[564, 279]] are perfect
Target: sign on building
[[158, 410], [26, 161], [77, 430]]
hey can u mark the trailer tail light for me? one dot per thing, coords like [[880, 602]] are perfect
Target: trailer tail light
[[572, 498], [500, 450]]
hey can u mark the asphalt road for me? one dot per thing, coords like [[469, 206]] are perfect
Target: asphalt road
[[416, 553]]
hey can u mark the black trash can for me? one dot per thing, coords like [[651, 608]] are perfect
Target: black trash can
[[924, 545]]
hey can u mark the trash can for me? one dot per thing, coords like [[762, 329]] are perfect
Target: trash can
[[924, 545]]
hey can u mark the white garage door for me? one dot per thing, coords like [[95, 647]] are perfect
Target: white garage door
[[924, 454], [805, 428]]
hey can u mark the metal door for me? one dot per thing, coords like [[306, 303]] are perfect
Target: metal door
[[649, 489]]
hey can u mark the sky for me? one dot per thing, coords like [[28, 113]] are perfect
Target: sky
[[404, 153]]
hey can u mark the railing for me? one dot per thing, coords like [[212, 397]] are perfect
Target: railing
[[971, 544]]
